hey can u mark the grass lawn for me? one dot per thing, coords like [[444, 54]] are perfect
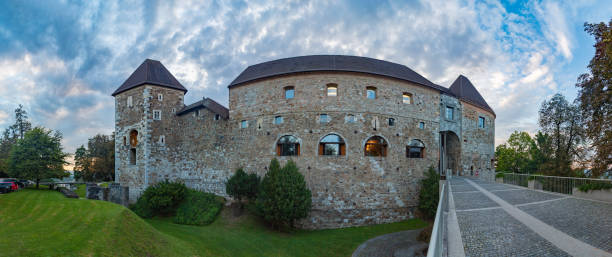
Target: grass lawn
[[41, 222]]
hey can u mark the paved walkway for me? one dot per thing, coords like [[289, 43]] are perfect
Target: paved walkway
[[503, 220], [398, 244]]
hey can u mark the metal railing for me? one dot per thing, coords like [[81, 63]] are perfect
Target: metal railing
[[563, 185], [436, 242]]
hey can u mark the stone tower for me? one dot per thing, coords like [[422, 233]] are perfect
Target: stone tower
[[142, 103]]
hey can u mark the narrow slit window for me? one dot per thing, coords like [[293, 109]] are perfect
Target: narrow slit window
[[133, 156], [160, 97], [130, 102], [481, 122]]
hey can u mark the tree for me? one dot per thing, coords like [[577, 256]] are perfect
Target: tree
[[10, 136], [595, 97], [563, 122], [97, 161], [515, 154], [82, 164], [22, 125], [242, 185], [429, 194], [283, 196], [38, 156], [541, 152]]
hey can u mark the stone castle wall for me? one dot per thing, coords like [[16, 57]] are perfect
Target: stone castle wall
[[346, 190]]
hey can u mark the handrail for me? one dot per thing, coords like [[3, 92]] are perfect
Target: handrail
[[564, 185], [437, 235]]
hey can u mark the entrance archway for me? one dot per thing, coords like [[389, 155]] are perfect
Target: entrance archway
[[450, 153]]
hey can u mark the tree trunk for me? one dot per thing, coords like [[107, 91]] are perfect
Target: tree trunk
[[37, 181]]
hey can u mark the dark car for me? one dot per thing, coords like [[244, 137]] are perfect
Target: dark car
[[7, 187], [19, 183]]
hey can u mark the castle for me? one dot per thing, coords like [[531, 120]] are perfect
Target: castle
[[362, 131]]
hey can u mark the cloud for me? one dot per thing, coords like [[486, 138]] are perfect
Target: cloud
[[62, 60]]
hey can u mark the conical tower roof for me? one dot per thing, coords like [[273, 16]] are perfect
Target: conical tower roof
[[464, 90], [150, 72]]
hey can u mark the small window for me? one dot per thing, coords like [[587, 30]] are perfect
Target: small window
[[130, 103], [196, 113], [289, 92], [407, 98], [160, 97], [332, 90], [173, 110], [124, 141], [133, 138], [371, 92], [217, 117], [323, 118], [391, 122], [332, 144], [450, 113], [416, 149], [481, 122], [162, 139], [288, 146], [350, 118], [422, 125], [376, 146], [244, 124], [133, 156], [156, 114], [278, 120]]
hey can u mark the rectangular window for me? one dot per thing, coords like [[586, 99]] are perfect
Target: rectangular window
[[156, 114], [450, 113], [371, 92], [289, 92], [422, 125], [133, 156], [481, 122], [244, 124], [350, 118], [130, 103], [391, 122], [323, 118], [278, 119], [332, 90], [160, 97], [217, 116], [407, 98]]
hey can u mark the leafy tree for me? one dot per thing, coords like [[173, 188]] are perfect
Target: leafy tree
[[515, 154], [38, 156], [10, 136], [283, 196], [429, 194], [97, 161], [22, 125], [541, 152], [595, 96], [242, 185], [82, 164], [563, 122]]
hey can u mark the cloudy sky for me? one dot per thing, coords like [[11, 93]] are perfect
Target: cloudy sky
[[63, 59]]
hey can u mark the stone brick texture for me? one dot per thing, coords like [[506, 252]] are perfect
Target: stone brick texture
[[348, 190]]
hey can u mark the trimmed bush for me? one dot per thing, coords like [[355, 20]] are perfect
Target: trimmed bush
[[429, 195], [283, 196], [198, 208], [242, 185], [595, 186], [160, 199]]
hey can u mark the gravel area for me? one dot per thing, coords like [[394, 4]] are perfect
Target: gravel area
[[588, 221], [464, 201], [524, 196], [496, 233]]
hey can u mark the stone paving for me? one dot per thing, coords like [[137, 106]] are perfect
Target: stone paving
[[487, 229]]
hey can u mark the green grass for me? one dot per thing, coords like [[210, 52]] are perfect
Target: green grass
[[80, 191], [42, 222]]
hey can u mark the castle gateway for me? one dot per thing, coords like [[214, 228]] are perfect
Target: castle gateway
[[362, 131]]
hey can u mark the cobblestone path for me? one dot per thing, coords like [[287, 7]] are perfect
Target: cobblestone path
[[503, 220]]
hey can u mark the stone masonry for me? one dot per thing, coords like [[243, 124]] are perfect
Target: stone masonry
[[204, 143]]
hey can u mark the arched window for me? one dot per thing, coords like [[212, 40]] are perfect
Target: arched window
[[288, 146], [133, 138], [376, 146], [416, 149], [332, 144]]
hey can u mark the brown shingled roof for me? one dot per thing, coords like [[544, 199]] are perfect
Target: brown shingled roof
[[463, 89], [207, 103], [150, 72]]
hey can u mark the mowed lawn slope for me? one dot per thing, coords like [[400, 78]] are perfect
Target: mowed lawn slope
[[45, 223]]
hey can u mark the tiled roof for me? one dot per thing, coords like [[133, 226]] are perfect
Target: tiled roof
[[345, 63], [150, 72], [463, 89], [208, 104]]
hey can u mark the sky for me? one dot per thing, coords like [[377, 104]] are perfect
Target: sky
[[63, 59]]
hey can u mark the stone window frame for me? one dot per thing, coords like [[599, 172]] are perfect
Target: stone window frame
[[452, 108], [483, 119], [160, 97], [278, 120], [279, 147], [289, 89], [421, 125], [415, 144], [385, 146], [391, 122], [157, 115], [325, 120], [130, 101], [341, 145], [371, 89], [410, 97], [332, 86], [244, 124], [349, 120]]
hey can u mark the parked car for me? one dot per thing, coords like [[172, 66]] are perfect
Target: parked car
[[7, 187], [16, 181]]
